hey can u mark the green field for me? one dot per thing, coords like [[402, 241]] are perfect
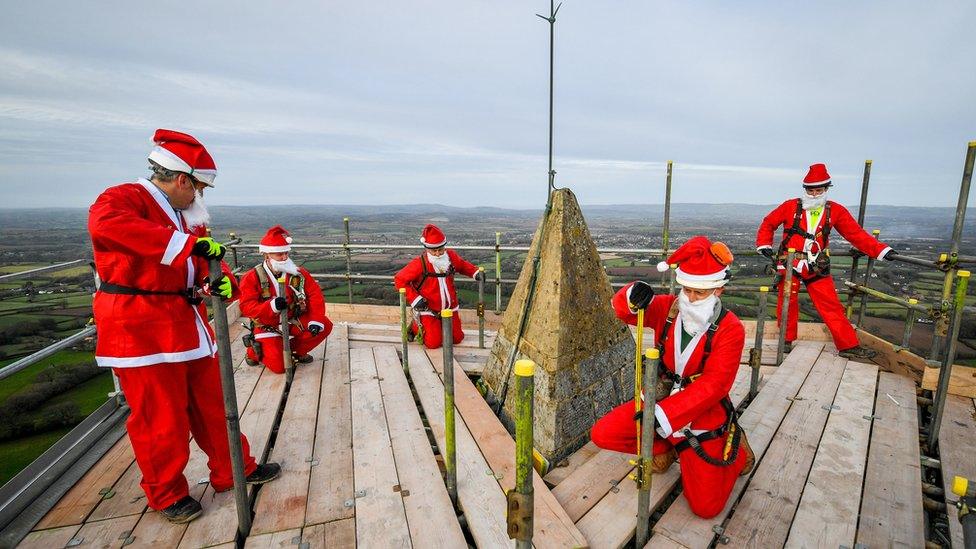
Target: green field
[[26, 376], [19, 453]]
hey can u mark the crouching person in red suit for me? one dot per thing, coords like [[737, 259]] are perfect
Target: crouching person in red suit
[[807, 222], [153, 263], [261, 302], [701, 344], [429, 283]]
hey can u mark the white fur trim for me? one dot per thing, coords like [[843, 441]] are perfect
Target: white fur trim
[[175, 246], [433, 245], [167, 159], [663, 266], [664, 426], [816, 183], [273, 249], [271, 302], [205, 176], [316, 323], [288, 239], [884, 252], [414, 302], [701, 282], [761, 248], [204, 348]]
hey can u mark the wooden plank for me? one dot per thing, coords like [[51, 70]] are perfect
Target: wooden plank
[[390, 315], [359, 328], [957, 446], [806, 331], [85, 495], [467, 343], [219, 521], [553, 527], [105, 533], [893, 359], [338, 534], [962, 380], [281, 504], [891, 507], [584, 489], [331, 482], [478, 493], [380, 516], [284, 538], [568, 466], [763, 515], [760, 421], [827, 514], [46, 539], [612, 521], [427, 501]]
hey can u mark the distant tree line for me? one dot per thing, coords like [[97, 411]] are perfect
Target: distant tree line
[[47, 384]]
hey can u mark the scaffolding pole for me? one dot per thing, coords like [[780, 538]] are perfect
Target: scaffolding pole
[[863, 204], [945, 370], [786, 293], [867, 277], [345, 223]]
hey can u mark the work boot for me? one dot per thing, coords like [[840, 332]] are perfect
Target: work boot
[[750, 455], [251, 362], [266, 472], [303, 359], [787, 346], [183, 511], [662, 462], [858, 353]]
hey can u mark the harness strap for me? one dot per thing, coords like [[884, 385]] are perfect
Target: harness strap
[[732, 443], [190, 294], [426, 273]]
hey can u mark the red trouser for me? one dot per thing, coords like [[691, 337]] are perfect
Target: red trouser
[[433, 337], [273, 355], [168, 403], [824, 297], [706, 486]]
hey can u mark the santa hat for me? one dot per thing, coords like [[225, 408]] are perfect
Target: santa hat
[[817, 177], [275, 240], [180, 152], [702, 264], [432, 237]]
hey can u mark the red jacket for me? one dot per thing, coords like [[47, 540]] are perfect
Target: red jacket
[[698, 404], [141, 242], [840, 219], [438, 291], [263, 311]]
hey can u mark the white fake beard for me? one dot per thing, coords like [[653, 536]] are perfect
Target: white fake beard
[[695, 316], [196, 214], [813, 202], [441, 263], [286, 266]]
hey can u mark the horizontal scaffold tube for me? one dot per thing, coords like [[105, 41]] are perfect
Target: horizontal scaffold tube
[[19, 365], [889, 298]]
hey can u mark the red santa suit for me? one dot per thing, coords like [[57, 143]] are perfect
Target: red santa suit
[[813, 240], [698, 405], [436, 286], [306, 307], [158, 342]]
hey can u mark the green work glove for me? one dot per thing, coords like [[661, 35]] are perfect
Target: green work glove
[[223, 287], [209, 248]]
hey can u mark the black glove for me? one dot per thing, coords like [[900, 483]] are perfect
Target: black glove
[[641, 294], [768, 252], [208, 248], [639, 416], [314, 329], [280, 304], [890, 256], [421, 305], [479, 276]]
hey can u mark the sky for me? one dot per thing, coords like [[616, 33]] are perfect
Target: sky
[[325, 102]]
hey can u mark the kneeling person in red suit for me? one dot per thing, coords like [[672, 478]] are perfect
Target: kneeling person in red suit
[[429, 283], [260, 301], [701, 344]]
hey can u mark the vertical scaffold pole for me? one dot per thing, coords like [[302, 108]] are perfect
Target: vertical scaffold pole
[[233, 252], [755, 354], [906, 337], [345, 223], [860, 221], [671, 274], [481, 307], [784, 320], [666, 232], [868, 271], [230, 409], [285, 330], [404, 328], [521, 500], [450, 455], [945, 371], [967, 177], [498, 272], [644, 476]]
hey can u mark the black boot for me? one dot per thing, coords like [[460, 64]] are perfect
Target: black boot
[[183, 511], [304, 359], [858, 353], [251, 362], [266, 472]]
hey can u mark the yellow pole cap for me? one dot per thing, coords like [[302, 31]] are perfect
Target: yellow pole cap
[[345, 219], [792, 250], [525, 368], [652, 353], [764, 288], [447, 313], [869, 161], [912, 301], [960, 484], [402, 290], [674, 266], [963, 274], [972, 143], [482, 269], [876, 232], [670, 162], [498, 233], [943, 257]]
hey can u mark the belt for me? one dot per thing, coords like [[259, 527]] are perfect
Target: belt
[[117, 289]]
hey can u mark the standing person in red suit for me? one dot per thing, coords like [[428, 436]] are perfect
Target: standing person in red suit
[[429, 281], [701, 344], [261, 302], [807, 222], [152, 260]]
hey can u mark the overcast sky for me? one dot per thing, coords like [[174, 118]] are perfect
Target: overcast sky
[[326, 102]]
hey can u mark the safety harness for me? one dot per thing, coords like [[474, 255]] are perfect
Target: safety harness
[[295, 308], [821, 266], [427, 273], [730, 428]]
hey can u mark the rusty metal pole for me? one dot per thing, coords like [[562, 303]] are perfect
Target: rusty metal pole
[[784, 320], [481, 307], [666, 233], [450, 444], [285, 330], [755, 354], [521, 500], [945, 371], [643, 476], [403, 328], [345, 222], [906, 337], [672, 273], [868, 271], [860, 221], [498, 272]]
